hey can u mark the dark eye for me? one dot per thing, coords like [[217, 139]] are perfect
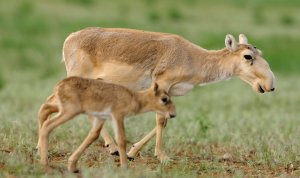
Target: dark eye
[[248, 57], [164, 100]]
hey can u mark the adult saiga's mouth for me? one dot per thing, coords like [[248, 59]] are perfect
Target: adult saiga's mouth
[[261, 90]]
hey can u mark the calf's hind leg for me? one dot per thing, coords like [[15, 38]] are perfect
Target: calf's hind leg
[[45, 111], [92, 136], [47, 128]]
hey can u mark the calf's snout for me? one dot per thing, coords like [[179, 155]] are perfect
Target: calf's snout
[[172, 115], [272, 89]]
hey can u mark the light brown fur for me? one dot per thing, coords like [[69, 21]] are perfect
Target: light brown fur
[[136, 58], [75, 95]]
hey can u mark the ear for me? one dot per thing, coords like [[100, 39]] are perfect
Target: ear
[[155, 88], [230, 43], [243, 39]]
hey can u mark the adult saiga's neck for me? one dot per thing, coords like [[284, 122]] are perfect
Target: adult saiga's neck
[[211, 65]]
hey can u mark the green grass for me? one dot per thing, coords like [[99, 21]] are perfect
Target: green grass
[[259, 132]]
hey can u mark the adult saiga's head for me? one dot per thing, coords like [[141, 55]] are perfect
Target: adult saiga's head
[[250, 65]]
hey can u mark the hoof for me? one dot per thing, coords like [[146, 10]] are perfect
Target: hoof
[[116, 153], [163, 158], [124, 167], [37, 151], [130, 158], [76, 171], [47, 169]]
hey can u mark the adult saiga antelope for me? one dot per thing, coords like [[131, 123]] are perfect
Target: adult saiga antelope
[[136, 58]]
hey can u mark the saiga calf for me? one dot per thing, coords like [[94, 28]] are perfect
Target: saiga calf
[[75, 95]]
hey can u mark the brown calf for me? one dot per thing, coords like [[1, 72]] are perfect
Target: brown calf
[[75, 95]]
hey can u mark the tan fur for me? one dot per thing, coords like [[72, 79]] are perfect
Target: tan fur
[[76, 95], [136, 58]]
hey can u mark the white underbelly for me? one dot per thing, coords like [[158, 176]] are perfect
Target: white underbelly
[[104, 114], [126, 75], [180, 89]]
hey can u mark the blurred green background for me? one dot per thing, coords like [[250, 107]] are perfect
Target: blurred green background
[[32, 32], [230, 114]]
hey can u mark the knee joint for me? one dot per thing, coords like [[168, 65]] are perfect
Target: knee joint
[[95, 134], [161, 122]]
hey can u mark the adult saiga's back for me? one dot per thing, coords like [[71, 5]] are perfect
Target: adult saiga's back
[[123, 56]]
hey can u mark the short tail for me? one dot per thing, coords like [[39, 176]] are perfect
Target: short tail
[[47, 109]]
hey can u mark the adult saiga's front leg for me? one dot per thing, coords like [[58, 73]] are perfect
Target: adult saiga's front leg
[[161, 122]]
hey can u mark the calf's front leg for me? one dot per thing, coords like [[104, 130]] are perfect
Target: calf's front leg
[[161, 122], [92, 136], [121, 139], [139, 145]]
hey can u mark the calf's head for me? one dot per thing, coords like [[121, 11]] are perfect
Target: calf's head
[[161, 102], [249, 64]]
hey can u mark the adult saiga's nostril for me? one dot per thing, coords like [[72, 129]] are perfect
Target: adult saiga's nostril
[[273, 89], [172, 116]]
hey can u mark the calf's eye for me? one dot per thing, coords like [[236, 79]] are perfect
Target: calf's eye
[[164, 100]]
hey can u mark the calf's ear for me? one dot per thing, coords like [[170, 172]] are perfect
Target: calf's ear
[[155, 88]]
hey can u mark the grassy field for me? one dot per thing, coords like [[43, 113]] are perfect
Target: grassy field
[[221, 130]]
